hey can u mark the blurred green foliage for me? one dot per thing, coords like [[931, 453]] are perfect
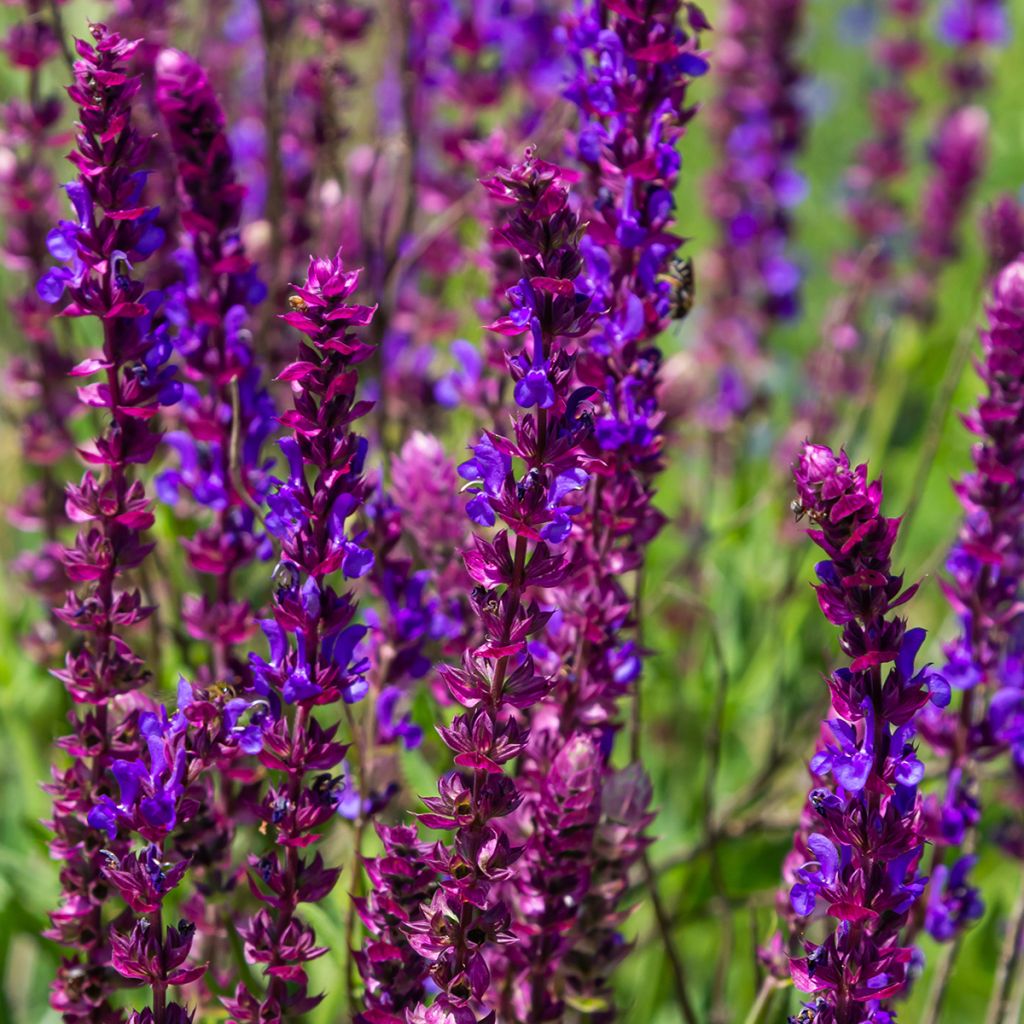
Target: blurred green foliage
[[733, 691]]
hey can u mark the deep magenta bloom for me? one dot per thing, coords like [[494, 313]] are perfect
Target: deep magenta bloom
[[313, 660], [863, 832], [111, 236], [458, 932]]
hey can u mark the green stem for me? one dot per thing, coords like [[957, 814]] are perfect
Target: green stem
[[1009, 963], [759, 1012]]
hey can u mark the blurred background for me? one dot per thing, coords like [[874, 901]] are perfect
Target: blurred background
[[733, 692]]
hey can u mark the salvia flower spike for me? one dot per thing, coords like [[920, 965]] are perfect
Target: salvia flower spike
[[984, 573], [863, 835], [111, 234], [226, 412], [313, 637]]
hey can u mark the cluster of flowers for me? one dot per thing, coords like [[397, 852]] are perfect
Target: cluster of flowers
[[985, 570], [518, 911], [857, 854], [189, 839]]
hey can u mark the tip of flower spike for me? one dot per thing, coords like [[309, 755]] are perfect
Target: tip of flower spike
[[178, 70], [1009, 287]]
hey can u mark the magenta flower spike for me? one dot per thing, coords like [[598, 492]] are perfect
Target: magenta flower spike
[[111, 235], [457, 936], [863, 831], [984, 573], [313, 659], [580, 822]]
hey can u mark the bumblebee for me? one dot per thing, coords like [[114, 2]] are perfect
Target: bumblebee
[[221, 691], [683, 293], [298, 303]]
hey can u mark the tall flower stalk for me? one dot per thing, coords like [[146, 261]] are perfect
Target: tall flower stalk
[[581, 822], [112, 234], [630, 85], [226, 413], [313, 661], [863, 832], [985, 570], [958, 150], [757, 123], [459, 934]]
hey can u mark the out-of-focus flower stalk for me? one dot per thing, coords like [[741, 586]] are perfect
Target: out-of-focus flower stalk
[[757, 124], [839, 369], [959, 147], [44, 401]]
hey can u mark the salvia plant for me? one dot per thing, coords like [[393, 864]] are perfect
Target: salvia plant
[[446, 581]]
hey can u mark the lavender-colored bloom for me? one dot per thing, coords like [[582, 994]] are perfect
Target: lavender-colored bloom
[[863, 833], [757, 123]]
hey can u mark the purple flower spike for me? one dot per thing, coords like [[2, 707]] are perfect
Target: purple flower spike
[[314, 657], [213, 301], [757, 121], [856, 857], [581, 823], [114, 234], [985, 570]]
